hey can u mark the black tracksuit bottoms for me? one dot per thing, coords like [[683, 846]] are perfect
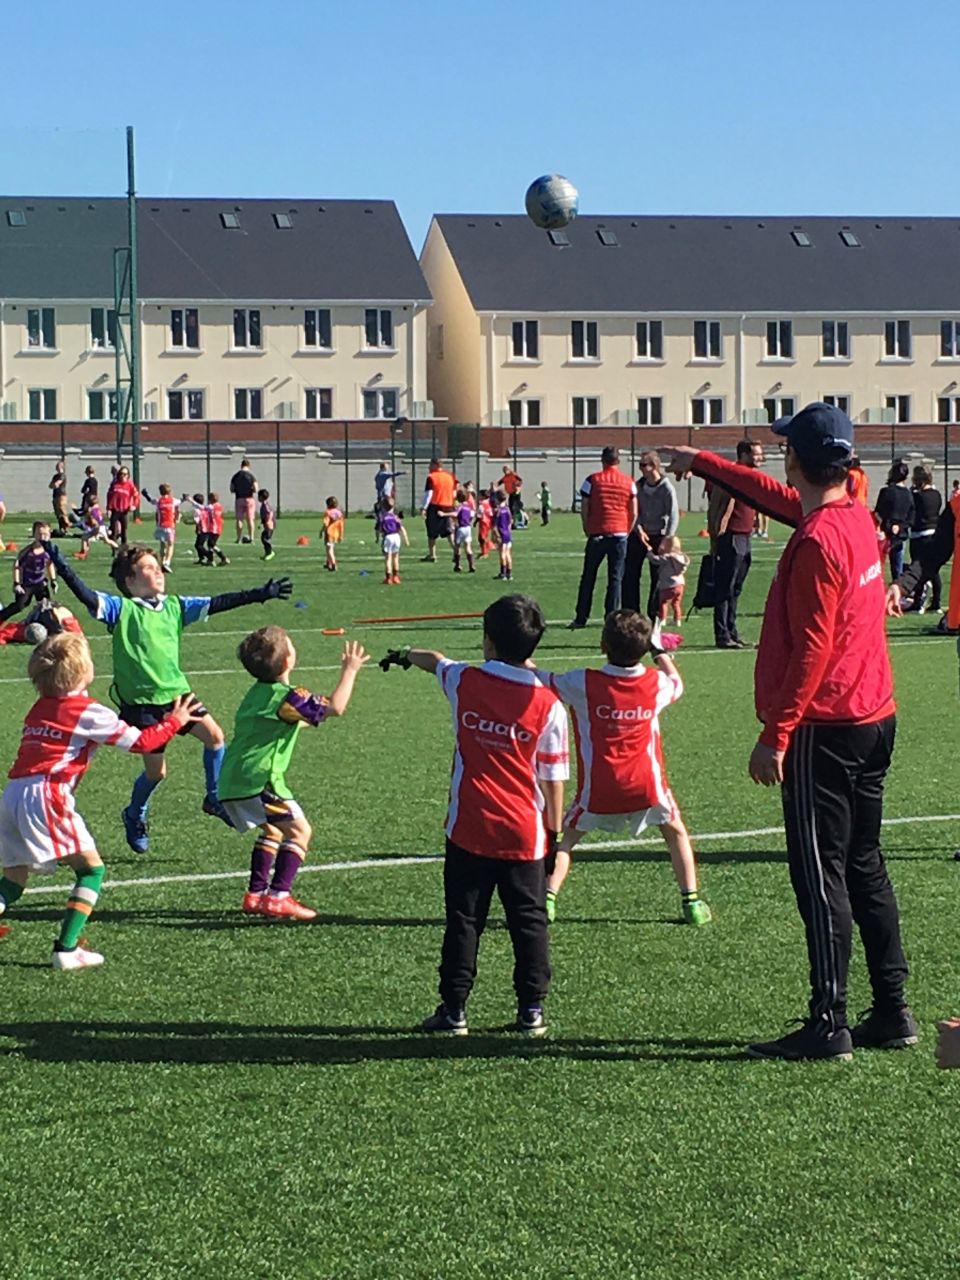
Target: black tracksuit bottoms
[[833, 805], [468, 884]]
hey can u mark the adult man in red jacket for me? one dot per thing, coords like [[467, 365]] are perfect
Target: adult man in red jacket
[[824, 694]]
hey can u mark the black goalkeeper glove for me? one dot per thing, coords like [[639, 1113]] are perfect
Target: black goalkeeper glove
[[396, 658], [553, 840], [276, 589]]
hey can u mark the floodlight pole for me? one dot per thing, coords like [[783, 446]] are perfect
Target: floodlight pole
[[125, 301]]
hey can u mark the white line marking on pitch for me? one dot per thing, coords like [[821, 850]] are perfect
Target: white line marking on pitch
[[387, 860]]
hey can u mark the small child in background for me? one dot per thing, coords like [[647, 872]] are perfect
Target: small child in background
[[463, 533], [484, 523], [209, 524], [503, 535], [546, 503], [470, 490], [268, 522], [167, 509], [34, 574], [671, 565], [621, 781], [253, 783], [332, 532], [93, 528], [40, 828], [390, 527]]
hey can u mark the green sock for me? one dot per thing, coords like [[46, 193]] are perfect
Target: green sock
[[9, 893], [80, 904]]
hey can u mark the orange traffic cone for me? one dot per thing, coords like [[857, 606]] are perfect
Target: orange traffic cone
[[303, 541]]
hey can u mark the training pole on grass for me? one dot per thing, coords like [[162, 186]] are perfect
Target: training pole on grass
[[417, 617]]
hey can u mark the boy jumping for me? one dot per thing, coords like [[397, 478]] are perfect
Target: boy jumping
[[621, 783], [506, 802], [39, 824], [253, 784], [146, 626]]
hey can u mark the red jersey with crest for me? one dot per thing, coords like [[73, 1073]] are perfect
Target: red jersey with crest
[[60, 736], [167, 506], [511, 729], [616, 720]]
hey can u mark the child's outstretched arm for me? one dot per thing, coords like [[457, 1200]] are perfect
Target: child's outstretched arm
[[273, 589], [92, 600], [353, 658], [426, 659]]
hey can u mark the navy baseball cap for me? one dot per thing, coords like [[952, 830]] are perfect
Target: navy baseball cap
[[819, 433]]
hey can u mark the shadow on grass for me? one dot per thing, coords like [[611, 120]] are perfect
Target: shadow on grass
[[658, 853], [223, 1043], [178, 918]]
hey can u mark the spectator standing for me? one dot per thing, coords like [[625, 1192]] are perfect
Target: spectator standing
[[438, 507], [58, 491], [658, 517], [824, 694], [735, 520], [244, 488], [894, 513], [383, 482], [123, 496], [511, 485], [927, 502], [89, 490], [608, 513]]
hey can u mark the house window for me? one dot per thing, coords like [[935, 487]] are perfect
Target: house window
[[835, 340], [897, 340], [41, 328], [42, 404], [839, 402], [779, 407], [246, 327], [103, 328], [524, 413], [586, 411], [706, 409], [779, 339], [317, 329], [378, 327], [584, 343], [184, 404], [948, 408], [101, 405], [319, 403], [248, 402], [649, 339], [185, 328], [950, 339], [650, 411], [526, 339], [706, 340], [900, 406], [382, 402]]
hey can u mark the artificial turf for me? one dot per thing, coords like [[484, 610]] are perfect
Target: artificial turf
[[229, 1097]]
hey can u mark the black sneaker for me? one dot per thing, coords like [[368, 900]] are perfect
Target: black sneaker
[[875, 1030], [575, 625], [808, 1042], [531, 1021], [451, 1022]]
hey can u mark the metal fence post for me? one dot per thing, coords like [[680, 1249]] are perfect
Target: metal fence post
[[209, 480], [276, 496], [63, 443], [433, 440], [346, 468], [476, 450], [633, 450], [573, 487], [946, 463], [413, 461]]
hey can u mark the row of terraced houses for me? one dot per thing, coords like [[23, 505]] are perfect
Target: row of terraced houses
[[302, 309]]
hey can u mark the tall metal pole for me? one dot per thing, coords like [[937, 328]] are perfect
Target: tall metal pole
[[135, 406]]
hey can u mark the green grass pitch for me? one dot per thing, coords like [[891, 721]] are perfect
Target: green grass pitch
[[235, 1098]]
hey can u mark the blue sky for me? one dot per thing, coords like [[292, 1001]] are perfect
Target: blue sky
[[739, 106]]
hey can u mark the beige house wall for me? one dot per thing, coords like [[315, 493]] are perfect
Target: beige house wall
[[454, 355], [283, 367]]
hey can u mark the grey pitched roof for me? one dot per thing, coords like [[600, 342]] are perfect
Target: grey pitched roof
[[333, 250], [708, 264]]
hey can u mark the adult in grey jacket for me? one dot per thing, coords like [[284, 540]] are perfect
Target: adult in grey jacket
[[658, 518]]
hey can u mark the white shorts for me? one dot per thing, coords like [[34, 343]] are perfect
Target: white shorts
[[165, 536], [39, 824], [464, 535], [391, 544], [255, 811], [633, 824]]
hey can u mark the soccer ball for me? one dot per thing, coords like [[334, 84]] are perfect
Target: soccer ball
[[35, 633], [552, 201]]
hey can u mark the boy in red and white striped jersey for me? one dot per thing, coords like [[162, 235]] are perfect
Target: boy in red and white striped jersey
[[168, 513], [621, 780], [39, 824], [506, 802]]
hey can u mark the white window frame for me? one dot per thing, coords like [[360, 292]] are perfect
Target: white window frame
[[379, 392], [110, 409], [779, 335], [317, 392], [41, 343], [589, 406], [708, 419], [953, 403], [897, 399], [590, 329], [835, 400], [521, 328], [838, 357], [43, 393], [247, 344], [714, 340], [648, 329], [896, 356], [184, 345], [106, 345], [952, 342], [317, 346], [653, 418], [525, 404], [187, 392], [783, 406], [380, 344], [247, 392]]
